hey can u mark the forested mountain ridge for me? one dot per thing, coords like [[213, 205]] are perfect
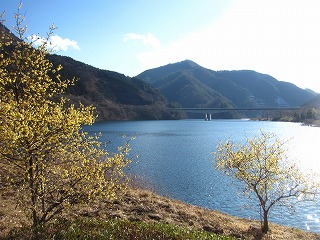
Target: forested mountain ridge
[[313, 103], [186, 84], [243, 88], [116, 96]]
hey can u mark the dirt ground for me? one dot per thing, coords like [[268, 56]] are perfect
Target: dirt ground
[[143, 205]]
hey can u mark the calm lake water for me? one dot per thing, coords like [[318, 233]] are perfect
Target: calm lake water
[[175, 160]]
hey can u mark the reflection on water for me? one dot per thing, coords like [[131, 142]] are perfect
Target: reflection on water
[[312, 219], [175, 157]]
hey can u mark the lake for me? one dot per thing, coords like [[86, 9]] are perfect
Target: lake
[[175, 160]]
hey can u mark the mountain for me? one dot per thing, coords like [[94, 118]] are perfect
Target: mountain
[[179, 83], [191, 85], [116, 96], [4, 31], [313, 103], [185, 84]]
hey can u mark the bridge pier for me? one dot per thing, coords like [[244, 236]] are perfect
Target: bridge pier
[[206, 111]]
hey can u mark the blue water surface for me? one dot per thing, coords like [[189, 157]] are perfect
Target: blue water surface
[[175, 160]]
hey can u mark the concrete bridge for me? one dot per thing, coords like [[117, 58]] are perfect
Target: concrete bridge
[[209, 111]]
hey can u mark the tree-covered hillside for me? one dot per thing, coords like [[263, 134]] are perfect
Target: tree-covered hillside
[[194, 86], [313, 103], [116, 96]]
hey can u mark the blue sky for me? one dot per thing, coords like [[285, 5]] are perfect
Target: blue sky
[[279, 38]]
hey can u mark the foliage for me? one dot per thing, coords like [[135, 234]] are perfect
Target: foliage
[[194, 86], [116, 96], [44, 155], [306, 115], [261, 164], [88, 228]]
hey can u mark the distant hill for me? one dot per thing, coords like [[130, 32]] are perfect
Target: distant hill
[[191, 85], [313, 103], [116, 96], [4, 31], [186, 84]]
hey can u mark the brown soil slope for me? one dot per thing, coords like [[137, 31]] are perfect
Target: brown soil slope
[[143, 205]]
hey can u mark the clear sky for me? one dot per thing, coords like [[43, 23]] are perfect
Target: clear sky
[[277, 37]]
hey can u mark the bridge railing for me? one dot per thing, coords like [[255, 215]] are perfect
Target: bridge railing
[[208, 110]]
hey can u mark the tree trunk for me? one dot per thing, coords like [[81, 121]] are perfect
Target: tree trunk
[[33, 194], [265, 226]]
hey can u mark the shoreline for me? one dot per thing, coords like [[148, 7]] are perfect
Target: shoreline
[[138, 204]]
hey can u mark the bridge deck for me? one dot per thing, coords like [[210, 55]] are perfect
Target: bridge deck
[[235, 109]]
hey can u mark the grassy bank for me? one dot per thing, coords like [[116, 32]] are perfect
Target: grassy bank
[[117, 229], [141, 214]]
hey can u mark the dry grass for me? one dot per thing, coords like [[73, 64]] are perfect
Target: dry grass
[[144, 205], [10, 215]]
